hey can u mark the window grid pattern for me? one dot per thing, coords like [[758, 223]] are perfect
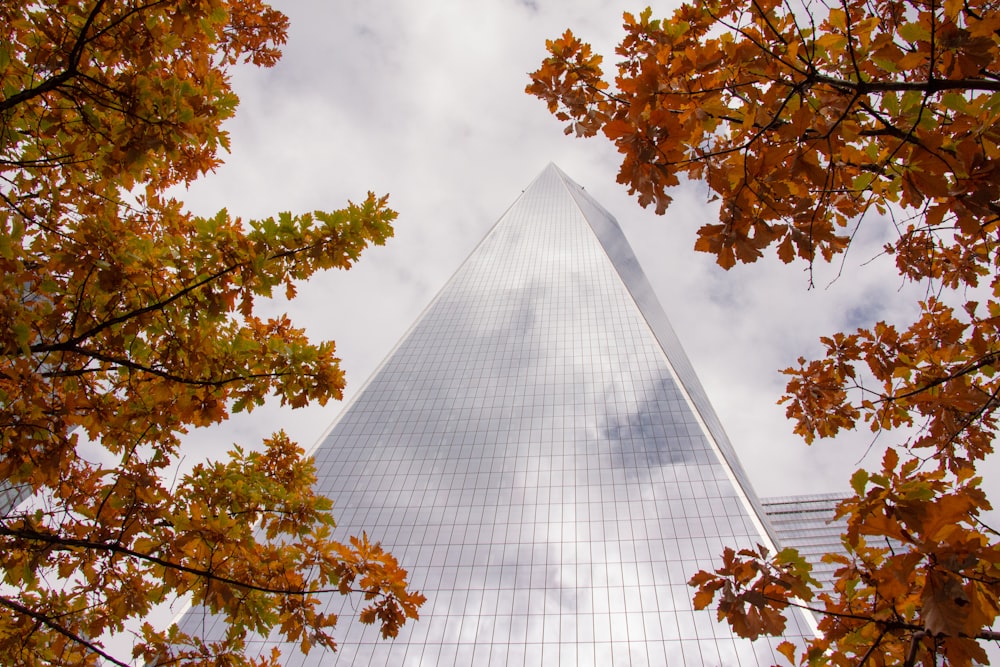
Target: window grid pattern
[[808, 523], [528, 456]]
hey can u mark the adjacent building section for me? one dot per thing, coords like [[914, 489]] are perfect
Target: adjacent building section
[[809, 524]]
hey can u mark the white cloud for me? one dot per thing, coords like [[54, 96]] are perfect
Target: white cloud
[[425, 101]]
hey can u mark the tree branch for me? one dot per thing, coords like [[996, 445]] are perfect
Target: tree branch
[[131, 365], [48, 622], [871, 649], [986, 360], [911, 655], [71, 343], [71, 70], [70, 543], [929, 86]]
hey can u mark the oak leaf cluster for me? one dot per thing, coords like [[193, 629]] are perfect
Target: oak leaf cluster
[[806, 121], [125, 321]]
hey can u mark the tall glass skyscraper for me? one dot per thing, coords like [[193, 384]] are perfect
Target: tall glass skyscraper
[[540, 456]]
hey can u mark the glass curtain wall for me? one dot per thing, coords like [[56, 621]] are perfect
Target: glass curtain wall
[[537, 452]]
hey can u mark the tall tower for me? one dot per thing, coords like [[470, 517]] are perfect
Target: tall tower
[[540, 456]]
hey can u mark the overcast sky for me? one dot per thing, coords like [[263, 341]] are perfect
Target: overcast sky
[[425, 101]]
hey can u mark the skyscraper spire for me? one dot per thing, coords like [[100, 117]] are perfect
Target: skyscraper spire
[[539, 454]]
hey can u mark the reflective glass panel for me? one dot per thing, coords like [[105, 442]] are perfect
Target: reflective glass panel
[[539, 455]]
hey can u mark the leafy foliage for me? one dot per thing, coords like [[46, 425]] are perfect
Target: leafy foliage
[[804, 121], [126, 319]]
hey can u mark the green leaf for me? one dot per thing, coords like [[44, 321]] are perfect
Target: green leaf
[[859, 480], [955, 102], [22, 334], [914, 32]]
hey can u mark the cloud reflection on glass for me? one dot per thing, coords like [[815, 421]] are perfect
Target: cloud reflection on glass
[[539, 454]]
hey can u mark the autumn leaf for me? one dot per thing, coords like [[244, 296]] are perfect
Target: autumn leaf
[[126, 320], [805, 123]]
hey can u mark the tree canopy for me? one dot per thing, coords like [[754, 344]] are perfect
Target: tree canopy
[[806, 121], [125, 321]]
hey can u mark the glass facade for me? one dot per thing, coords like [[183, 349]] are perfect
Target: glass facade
[[539, 455], [11, 496], [808, 524]]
